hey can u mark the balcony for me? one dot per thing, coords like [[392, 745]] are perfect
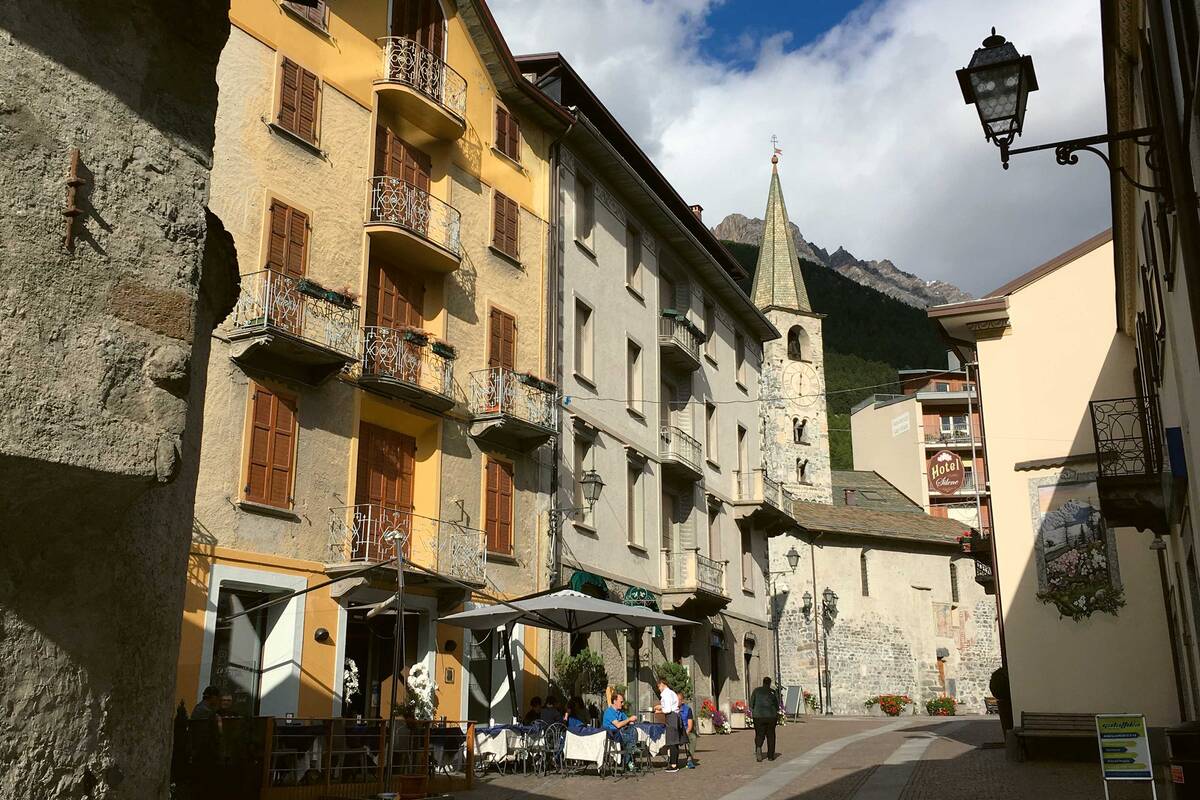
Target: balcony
[[407, 367], [365, 534], [420, 87], [1132, 480], [679, 342], [962, 438], [679, 454], [762, 500], [693, 585], [409, 226], [513, 409], [947, 397], [983, 553], [293, 328]]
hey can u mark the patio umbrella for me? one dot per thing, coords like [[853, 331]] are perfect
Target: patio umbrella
[[565, 611]]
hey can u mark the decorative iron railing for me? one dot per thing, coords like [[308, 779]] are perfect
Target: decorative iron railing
[[273, 302], [405, 61], [367, 533], [1128, 436], [398, 202], [687, 569], [397, 355], [676, 330], [756, 487], [679, 446], [500, 391], [948, 437]]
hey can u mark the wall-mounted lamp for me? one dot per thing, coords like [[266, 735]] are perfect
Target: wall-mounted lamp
[[321, 635]]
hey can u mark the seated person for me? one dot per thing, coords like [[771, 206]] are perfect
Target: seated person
[[575, 714], [534, 714], [551, 712], [615, 719]]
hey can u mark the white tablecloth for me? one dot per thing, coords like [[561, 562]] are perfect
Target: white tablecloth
[[498, 745], [586, 748], [655, 745]]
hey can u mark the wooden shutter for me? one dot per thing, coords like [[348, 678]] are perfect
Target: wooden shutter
[[421, 21], [287, 247], [298, 100], [502, 130], [508, 134], [272, 445], [310, 87], [502, 339], [514, 138], [314, 14], [386, 473], [506, 225], [498, 505], [394, 299]]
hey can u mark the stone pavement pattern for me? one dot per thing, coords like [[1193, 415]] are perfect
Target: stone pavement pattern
[[914, 758]]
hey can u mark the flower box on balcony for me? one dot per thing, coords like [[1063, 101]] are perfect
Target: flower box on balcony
[[541, 384], [416, 336], [311, 288], [445, 350]]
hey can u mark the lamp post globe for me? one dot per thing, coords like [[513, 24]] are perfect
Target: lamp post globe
[[998, 82], [830, 597], [807, 607], [592, 486], [793, 558]]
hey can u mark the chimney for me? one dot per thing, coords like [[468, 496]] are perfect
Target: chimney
[[698, 210]]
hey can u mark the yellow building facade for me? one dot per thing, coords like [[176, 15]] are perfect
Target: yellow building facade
[[383, 170]]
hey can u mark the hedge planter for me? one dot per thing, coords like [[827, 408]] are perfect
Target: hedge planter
[[706, 726], [737, 719]]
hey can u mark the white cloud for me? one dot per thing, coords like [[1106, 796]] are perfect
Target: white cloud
[[880, 153]]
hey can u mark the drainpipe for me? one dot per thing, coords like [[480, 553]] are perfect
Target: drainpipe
[[554, 270], [991, 513]]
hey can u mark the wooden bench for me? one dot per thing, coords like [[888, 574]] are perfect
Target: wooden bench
[[1043, 725]]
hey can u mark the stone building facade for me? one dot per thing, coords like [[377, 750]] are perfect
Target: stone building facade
[[103, 343]]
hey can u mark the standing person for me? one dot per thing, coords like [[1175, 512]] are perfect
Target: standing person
[[668, 706], [764, 708], [687, 717]]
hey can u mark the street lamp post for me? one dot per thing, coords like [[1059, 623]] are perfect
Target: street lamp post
[[592, 485], [793, 558], [829, 600]]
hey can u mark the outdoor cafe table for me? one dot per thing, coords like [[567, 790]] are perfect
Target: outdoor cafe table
[[586, 744], [499, 742], [653, 734]]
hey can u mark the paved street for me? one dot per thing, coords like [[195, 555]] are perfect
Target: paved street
[[913, 758]]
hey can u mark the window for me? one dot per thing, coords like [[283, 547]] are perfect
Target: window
[[272, 448], [287, 240], [585, 209], [802, 470], [711, 442], [797, 344], [237, 653], [315, 15], [747, 560], [633, 376], [743, 457], [508, 134], [954, 425], [941, 387], [583, 447], [502, 339], [714, 533], [299, 100], [498, 511], [862, 568], [633, 258], [799, 430], [953, 583], [968, 477], [506, 225], [739, 359], [583, 340], [710, 330], [636, 506]]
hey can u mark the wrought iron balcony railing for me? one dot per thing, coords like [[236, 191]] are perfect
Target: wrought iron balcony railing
[[367, 533], [1128, 435], [687, 569], [391, 354], [948, 437], [405, 61], [755, 486], [676, 445], [501, 392], [271, 302], [677, 331], [400, 203]]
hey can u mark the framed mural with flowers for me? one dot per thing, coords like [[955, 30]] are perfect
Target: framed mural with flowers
[[1076, 552]]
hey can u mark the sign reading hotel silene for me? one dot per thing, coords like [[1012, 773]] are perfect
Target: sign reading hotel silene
[[946, 473]]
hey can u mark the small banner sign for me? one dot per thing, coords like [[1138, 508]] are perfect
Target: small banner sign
[[1124, 747], [946, 472]]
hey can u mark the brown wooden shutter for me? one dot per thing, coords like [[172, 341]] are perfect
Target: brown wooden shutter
[[499, 214], [513, 139], [502, 339], [297, 244], [272, 445], [289, 95], [501, 130], [287, 246], [494, 338], [310, 87], [498, 507], [314, 14], [512, 228]]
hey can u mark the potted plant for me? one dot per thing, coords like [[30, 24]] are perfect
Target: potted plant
[[415, 336], [941, 706], [890, 704], [738, 714], [998, 686], [810, 702], [720, 723], [444, 349], [707, 712]]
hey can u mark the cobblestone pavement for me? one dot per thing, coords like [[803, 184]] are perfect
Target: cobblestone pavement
[[839, 759]]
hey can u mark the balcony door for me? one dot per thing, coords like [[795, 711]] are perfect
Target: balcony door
[[404, 200], [422, 21], [384, 491], [395, 301]]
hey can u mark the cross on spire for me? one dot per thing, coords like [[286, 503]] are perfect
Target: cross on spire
[[775, 149]]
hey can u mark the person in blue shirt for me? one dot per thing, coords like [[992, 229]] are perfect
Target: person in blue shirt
[[575, 714], [687, 719], [615, 719]]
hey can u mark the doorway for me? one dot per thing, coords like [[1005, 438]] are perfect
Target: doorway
[[369, 648]]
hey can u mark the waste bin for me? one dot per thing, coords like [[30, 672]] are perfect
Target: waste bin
[[1183, 747]]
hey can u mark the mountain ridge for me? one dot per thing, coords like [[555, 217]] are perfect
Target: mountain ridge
[[882, 275]]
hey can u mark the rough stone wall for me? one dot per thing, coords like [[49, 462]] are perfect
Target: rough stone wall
[[102, 357]]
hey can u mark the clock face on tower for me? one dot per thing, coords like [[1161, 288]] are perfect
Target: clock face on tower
[[802, 384]]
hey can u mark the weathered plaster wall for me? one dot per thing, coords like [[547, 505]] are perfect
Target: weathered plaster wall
[[888, 641], [888, 439], [102, 357]]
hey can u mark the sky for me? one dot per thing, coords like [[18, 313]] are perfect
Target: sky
[[880, 154]]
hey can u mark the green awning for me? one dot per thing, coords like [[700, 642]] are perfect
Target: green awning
[[639, 596], [589, 583]]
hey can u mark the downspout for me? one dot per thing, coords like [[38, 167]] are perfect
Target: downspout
[[991, 510], [554, 279]]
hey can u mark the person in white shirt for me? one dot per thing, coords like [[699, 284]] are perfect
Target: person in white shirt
[[668, 705]]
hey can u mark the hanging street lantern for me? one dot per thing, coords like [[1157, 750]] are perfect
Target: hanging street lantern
[[793, 558], [998, 82], [592, 486]]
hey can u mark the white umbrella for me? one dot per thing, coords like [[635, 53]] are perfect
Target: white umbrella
[[566, 611]]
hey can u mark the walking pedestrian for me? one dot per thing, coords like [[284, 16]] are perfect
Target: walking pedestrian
[[764, 708]]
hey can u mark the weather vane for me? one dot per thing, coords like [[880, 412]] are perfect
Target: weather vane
[[776, 148]]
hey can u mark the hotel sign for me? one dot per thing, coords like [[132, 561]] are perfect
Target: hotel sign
[[946, 473]]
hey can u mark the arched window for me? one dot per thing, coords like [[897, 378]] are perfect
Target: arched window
[[797, 344], [953, 583], [862, 568], [801, 470], [797, 431]]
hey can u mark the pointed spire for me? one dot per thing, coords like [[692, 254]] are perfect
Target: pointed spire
[[777, 279]]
